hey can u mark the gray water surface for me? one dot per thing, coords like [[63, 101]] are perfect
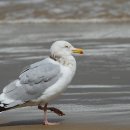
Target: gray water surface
[[100, 90]]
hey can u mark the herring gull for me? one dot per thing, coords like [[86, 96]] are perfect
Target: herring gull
[[43, 81]]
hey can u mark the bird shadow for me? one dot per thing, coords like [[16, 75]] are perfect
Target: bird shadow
[[29, 122]]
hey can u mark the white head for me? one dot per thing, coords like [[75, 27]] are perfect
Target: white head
[[61, 49]]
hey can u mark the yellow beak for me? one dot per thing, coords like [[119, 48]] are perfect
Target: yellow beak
[[78, 50]]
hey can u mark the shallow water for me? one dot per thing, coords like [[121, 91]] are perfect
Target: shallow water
[[101, 87], [64, 9]]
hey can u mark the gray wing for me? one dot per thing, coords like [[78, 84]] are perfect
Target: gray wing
[[38, 72], [34, 80]]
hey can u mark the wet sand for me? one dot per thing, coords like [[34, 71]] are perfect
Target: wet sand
[[67, 127], [99, 96]]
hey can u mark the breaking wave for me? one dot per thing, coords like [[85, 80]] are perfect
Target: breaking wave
[[38, 11]]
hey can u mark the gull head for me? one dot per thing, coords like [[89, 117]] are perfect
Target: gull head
[[63, 48]]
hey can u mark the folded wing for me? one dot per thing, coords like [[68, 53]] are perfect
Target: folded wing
[[31, 84]]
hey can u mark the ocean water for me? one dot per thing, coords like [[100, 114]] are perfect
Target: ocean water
[[100, 90], [64, 10]]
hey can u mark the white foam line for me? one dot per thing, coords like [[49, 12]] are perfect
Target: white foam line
[[29, 1], [94, 20], [86, 93], [105, 51], [71, 99], [96, 86], [30, 58], [118, 46], [22, 49]]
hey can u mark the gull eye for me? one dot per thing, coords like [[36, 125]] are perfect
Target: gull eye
[[67, 46]]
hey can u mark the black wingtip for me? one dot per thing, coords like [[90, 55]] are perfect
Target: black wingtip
[[2, 109]]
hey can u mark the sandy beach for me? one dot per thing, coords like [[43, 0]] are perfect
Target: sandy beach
[[65, 127]]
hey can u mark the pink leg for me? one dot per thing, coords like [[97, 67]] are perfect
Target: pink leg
[[45, 115]]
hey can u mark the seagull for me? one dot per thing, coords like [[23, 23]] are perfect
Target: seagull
[[43, 81]]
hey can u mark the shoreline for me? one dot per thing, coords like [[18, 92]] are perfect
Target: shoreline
[[91, 126], [57, 21]]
